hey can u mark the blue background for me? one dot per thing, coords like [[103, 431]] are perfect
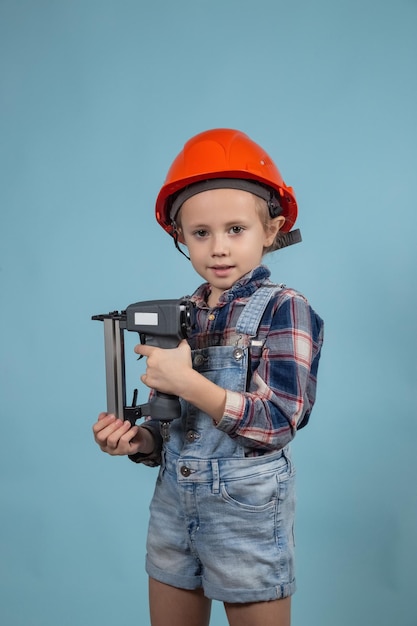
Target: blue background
[[97, 97]]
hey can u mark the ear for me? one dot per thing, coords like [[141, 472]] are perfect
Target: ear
[[273, 229], [179, 235]]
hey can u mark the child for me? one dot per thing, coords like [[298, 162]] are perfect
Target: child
[[222, 515]]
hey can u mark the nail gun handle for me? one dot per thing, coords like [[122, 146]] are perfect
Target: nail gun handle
[[165, 407]]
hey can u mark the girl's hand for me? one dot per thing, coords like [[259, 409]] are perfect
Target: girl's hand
[[117, 437], [171, 371], [167, 369]]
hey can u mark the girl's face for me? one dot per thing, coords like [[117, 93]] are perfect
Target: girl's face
[[225, 236]]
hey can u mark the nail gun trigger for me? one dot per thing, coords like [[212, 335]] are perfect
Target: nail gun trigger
[[142, 340]]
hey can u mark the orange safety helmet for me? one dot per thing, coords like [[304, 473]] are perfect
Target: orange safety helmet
[[222, 154]]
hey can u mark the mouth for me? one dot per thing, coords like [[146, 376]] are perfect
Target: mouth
[[221, 270]]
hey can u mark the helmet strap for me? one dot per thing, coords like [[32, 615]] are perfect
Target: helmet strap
[[252, 186], [177, 245], [287, 239]]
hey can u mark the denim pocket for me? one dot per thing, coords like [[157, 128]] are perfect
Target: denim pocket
[[257, 492]]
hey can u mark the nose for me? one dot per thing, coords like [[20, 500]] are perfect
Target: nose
[[219, 245]]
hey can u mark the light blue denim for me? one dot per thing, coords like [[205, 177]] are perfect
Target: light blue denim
[[221, 520]]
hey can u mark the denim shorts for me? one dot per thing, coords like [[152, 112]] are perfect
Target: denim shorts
[[225, 525]]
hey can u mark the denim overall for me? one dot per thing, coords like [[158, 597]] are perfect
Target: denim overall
[[222, 520]]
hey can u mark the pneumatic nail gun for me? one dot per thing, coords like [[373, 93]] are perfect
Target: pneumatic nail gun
[[160, 323]]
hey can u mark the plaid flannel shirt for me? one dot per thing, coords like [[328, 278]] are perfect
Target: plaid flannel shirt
[[283, 372]]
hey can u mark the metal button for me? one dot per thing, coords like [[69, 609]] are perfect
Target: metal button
[[185, 471], [212, 317], [198, 360], [191, 436], [238, 354]]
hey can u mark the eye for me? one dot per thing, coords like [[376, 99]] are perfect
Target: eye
[[200, 233], [236, 230]]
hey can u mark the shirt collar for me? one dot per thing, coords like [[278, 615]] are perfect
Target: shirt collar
[[243, 288]]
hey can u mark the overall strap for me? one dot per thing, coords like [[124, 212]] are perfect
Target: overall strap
[[250, 318]]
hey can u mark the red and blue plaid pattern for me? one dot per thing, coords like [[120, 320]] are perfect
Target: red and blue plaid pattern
[[283, 366]]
